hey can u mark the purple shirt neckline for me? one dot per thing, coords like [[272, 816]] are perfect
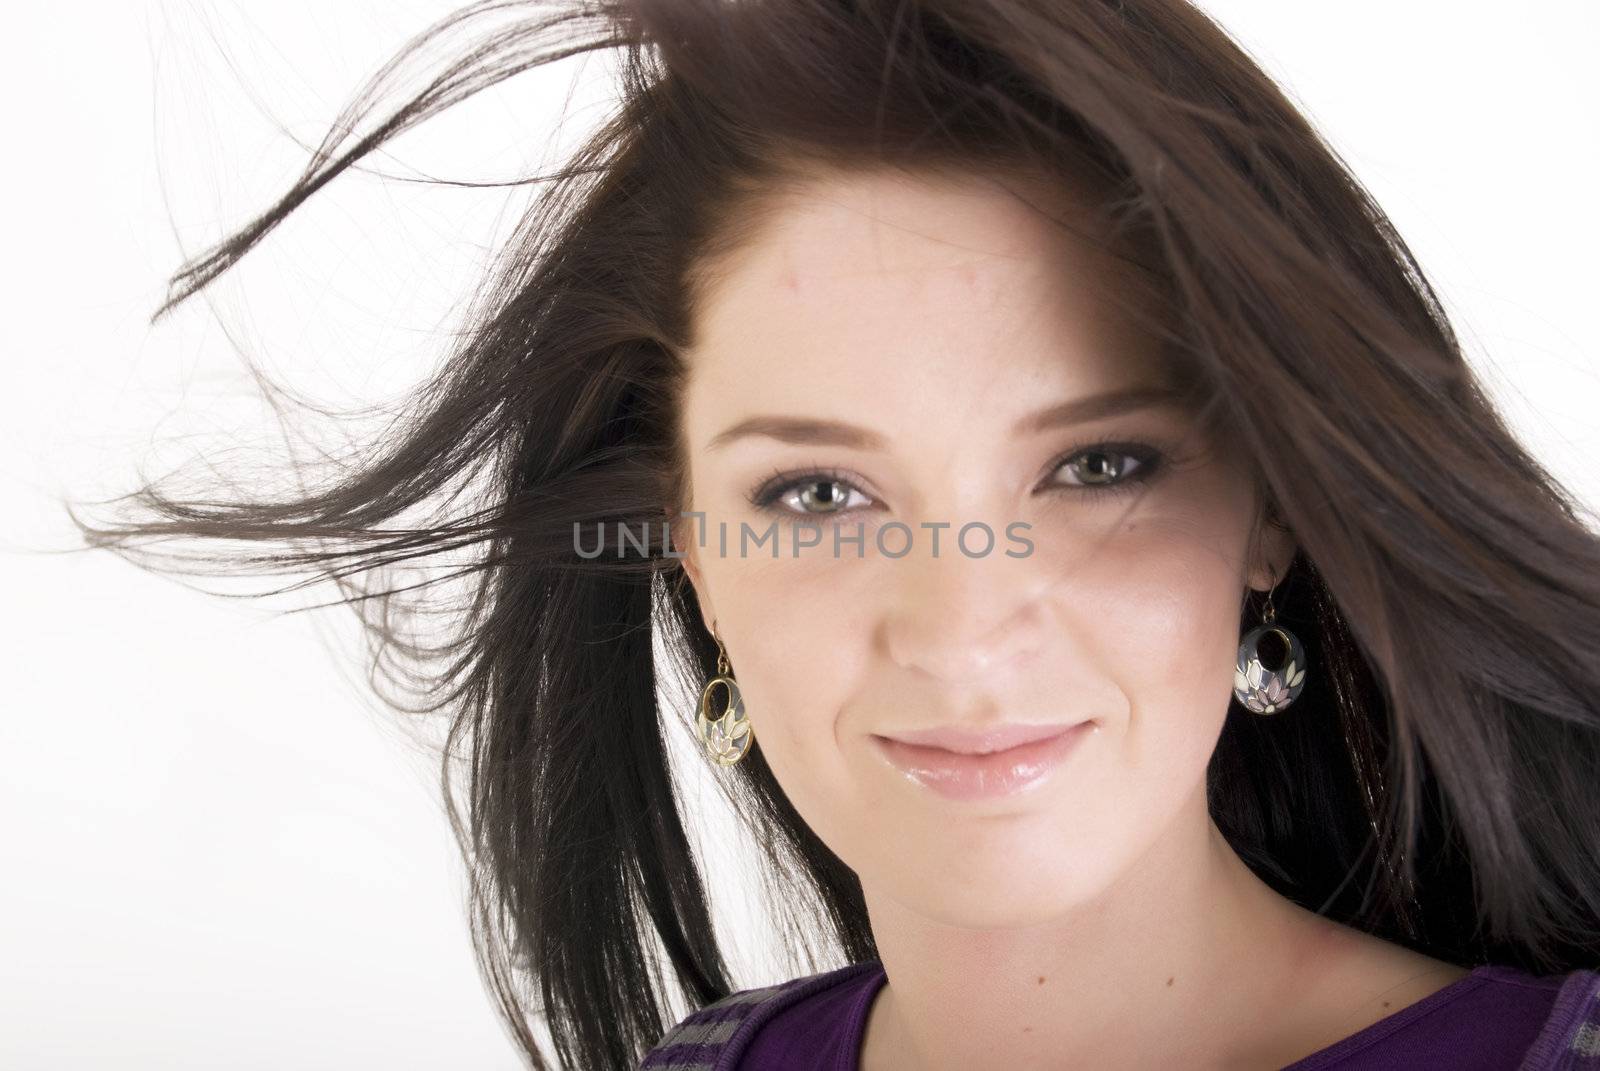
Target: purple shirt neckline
[[1562, 1005], [855, 1026]]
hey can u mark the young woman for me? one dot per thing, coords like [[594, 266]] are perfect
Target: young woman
[[1118, 615]]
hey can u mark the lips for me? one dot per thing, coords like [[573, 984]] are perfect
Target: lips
[[977, 774], [978, 741]]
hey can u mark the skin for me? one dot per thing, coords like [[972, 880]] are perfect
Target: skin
[[1101, 921]]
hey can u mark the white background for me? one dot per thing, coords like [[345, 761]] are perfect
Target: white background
[[220, 850]]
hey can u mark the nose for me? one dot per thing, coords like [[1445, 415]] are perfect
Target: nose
[[960, 619]]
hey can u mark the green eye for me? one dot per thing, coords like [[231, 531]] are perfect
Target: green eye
[[824, 496], [808, 494], [1106, 468]]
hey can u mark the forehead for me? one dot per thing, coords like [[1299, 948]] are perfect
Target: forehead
[[880, 281]]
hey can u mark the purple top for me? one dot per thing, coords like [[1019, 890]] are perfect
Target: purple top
[[1491, 1019]]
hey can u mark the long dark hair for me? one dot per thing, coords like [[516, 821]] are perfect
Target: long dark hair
[[1435, 784]]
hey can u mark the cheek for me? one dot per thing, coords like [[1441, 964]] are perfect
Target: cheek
[[1165, 596], [798, 662], [1158, 614]]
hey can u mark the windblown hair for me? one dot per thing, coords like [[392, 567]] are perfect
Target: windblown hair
[[1435, 783]]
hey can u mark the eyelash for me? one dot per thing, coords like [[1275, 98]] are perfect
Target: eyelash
[[1152, 462]]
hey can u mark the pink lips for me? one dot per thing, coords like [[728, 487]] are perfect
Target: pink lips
[[985, 763]]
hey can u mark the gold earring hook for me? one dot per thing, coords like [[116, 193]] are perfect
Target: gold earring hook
[[1269, 614], [722, 651]]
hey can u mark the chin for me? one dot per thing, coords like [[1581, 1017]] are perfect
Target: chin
[[999, 896]]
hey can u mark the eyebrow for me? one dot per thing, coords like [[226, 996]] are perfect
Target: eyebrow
[[806, 431]]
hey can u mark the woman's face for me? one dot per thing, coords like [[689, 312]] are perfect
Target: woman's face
[[942, 320]]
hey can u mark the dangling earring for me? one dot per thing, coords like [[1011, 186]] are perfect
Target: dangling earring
[[1263, 690], [727, 736]]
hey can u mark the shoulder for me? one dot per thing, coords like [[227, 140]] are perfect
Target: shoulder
[[713, 1038], [1568, 1005], [1488, 1016], [700, 1037], [1496, 1016]]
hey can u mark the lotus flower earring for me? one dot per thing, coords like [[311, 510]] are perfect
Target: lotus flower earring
[[726, 736], [1263, 690]]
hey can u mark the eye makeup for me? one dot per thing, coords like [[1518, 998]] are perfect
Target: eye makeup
[[779, 493]]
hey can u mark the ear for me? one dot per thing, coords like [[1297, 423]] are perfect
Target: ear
[[1275, 550], [684, 543]]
